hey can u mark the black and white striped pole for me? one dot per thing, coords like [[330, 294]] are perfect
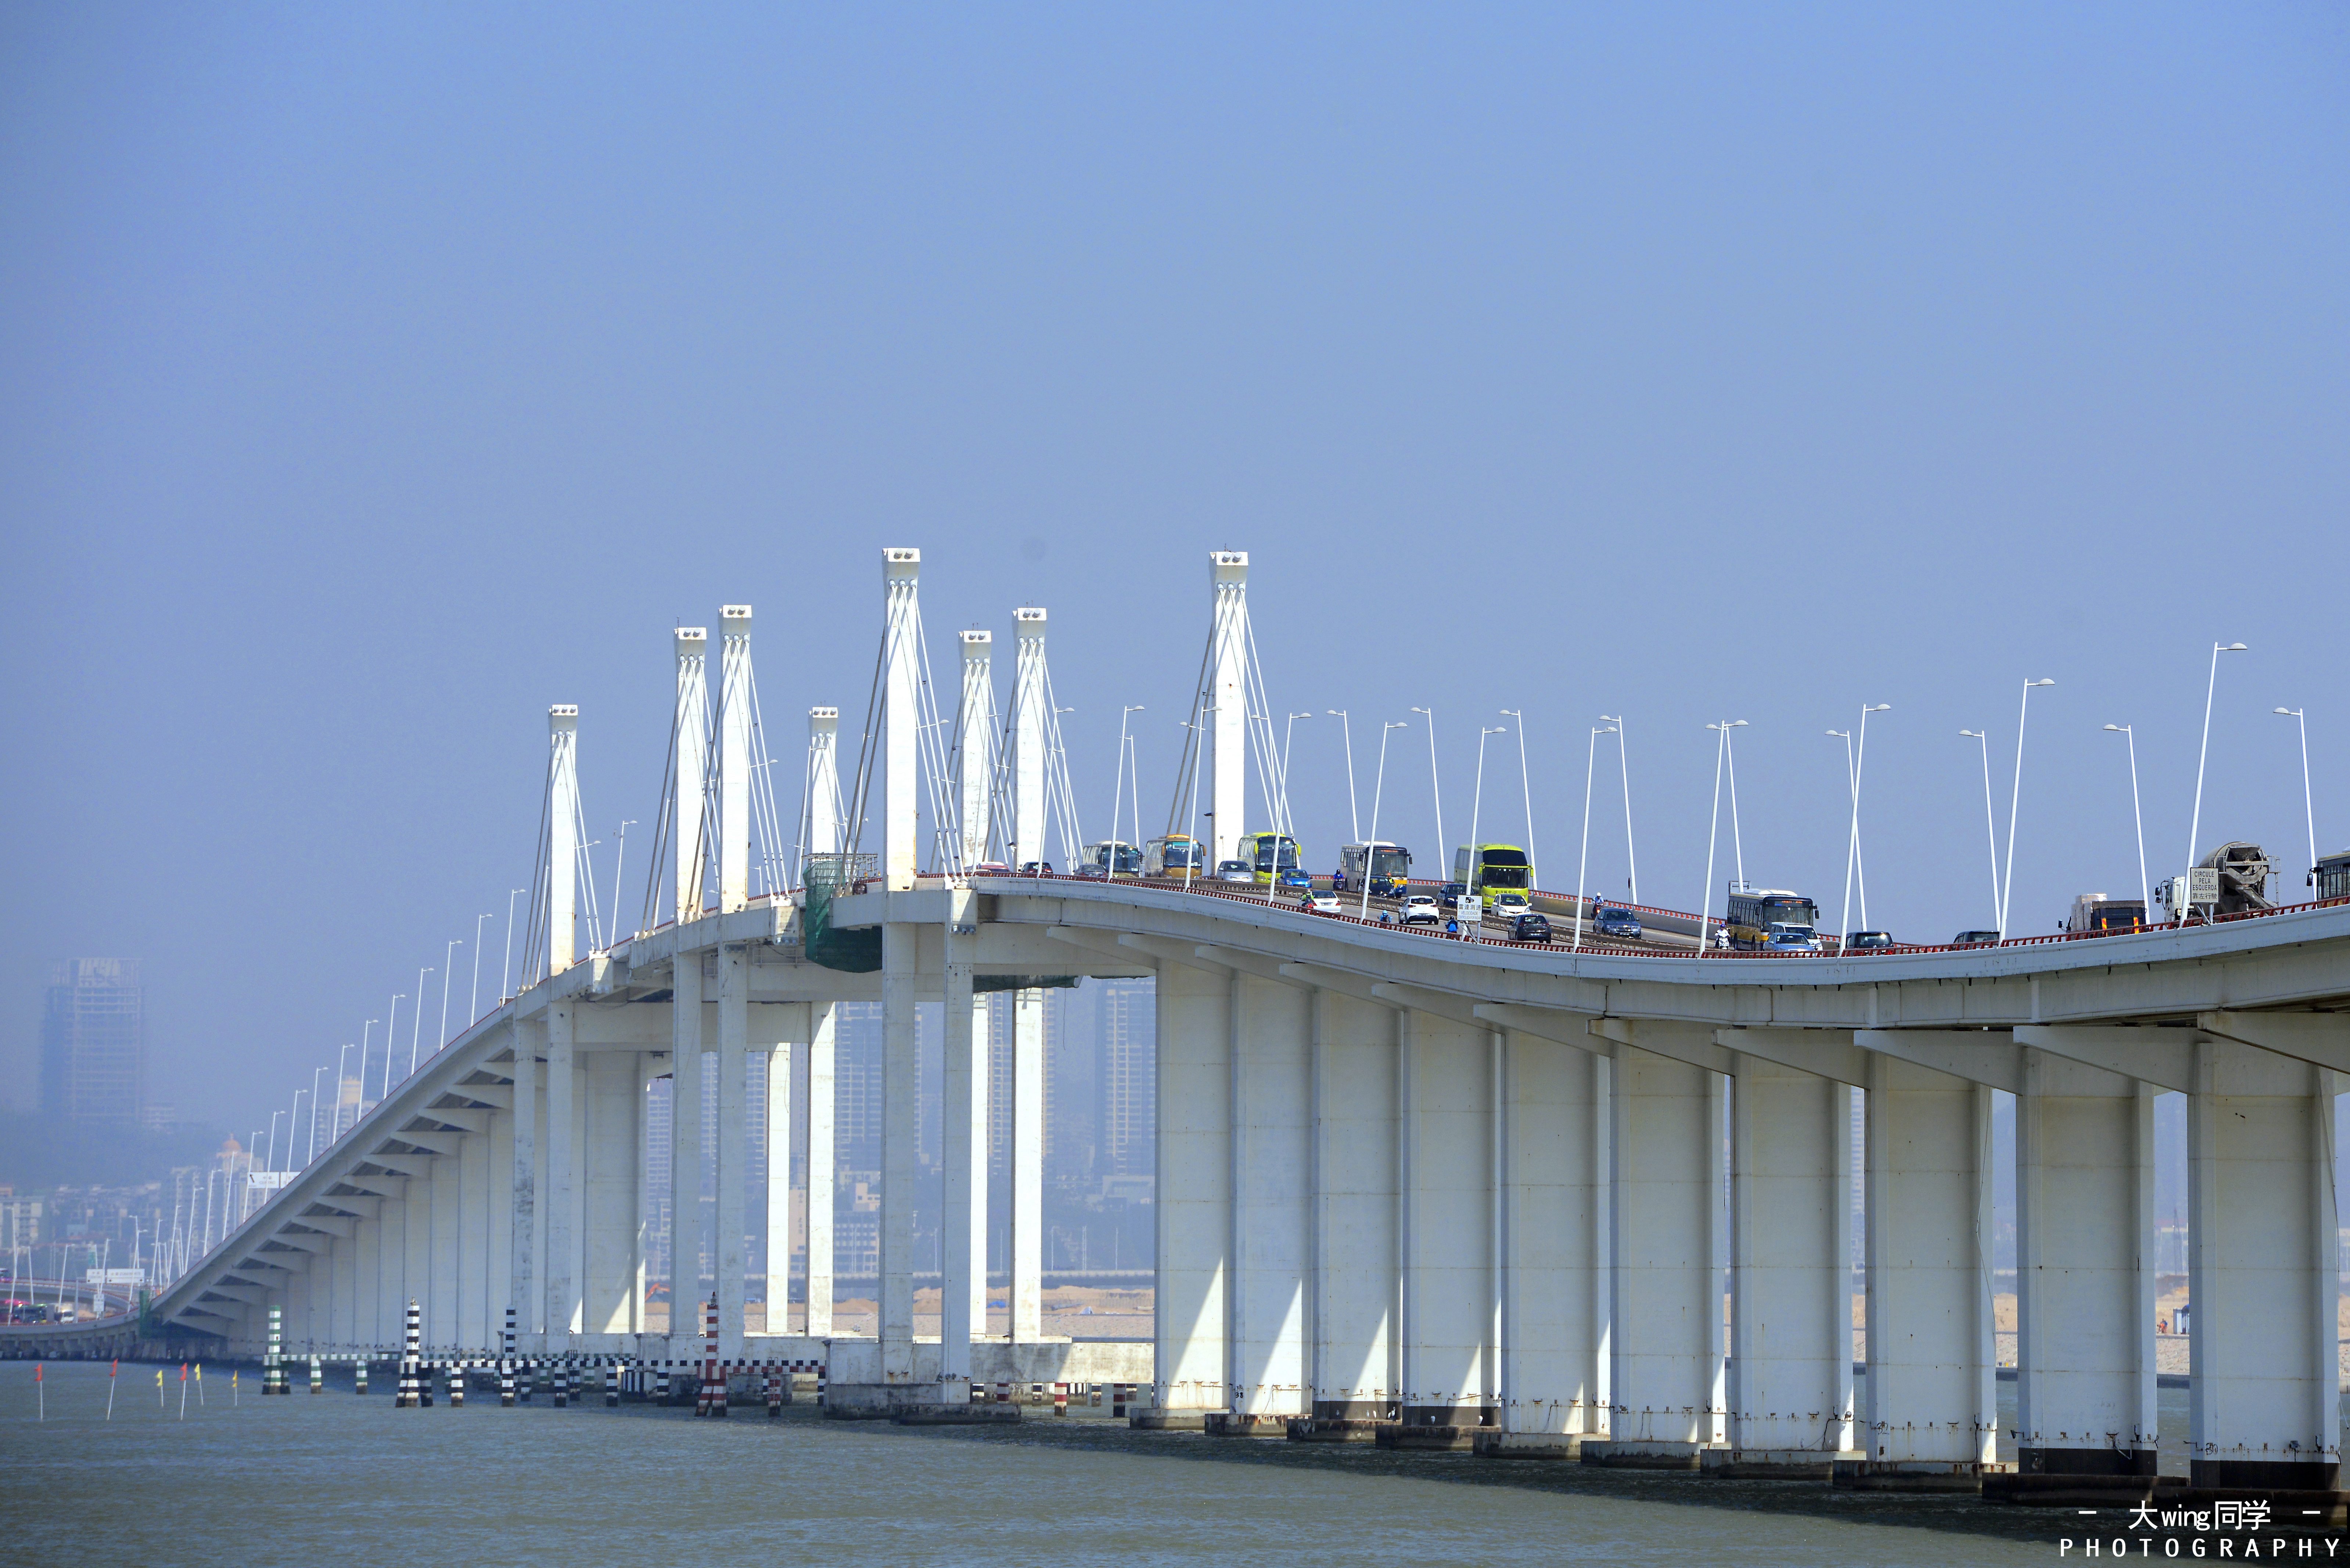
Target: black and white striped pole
[[506, 1364], [318, 1376], [456, 1384], [611, 1386], [358, 1373], [411, 1333]]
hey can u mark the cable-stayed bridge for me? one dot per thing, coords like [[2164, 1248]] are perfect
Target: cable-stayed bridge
[[1474, 1193]]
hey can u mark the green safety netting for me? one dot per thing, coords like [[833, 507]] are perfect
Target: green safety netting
[[855, 951]]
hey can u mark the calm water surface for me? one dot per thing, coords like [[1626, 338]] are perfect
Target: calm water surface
[[337, 1477]]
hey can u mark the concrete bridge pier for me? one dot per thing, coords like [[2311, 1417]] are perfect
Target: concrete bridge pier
[[2085, 1270], [1194, 1203], [2263, 1265], [1790, 1385], [1354, 1151], [1931, 1415], [1553, 1242], [1270, 1089], [685, 1156], [1667, 1234], [1450, 1208]]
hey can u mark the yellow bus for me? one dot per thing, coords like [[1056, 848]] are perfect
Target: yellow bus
[[1271, 854], [1486, 869]]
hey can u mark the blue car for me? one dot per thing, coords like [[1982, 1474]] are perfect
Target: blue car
[[1296, 877], [1791, 939], [1621, 924]]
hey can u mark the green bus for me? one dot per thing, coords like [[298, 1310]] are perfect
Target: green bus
[[1485, 869]]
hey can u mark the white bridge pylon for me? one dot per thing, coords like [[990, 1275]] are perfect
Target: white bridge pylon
[[1231, 722]]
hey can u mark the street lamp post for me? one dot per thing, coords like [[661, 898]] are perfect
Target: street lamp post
[[2145, 888], [2007, 882], [1288, 735], [2308, 812], [315, 1073], [1525, 783], [611, 923], [1712, 833], [1631, 861], [1477, 802], [343, 1057], [1583, 867], [1991, 831], [447, 970], [505, 977], [1346, 729], [1854, 759], [1115, 806], [1433, 787], [1379, 786], [416, 1029], [473, 994], [1730, 754], [2195, 823]]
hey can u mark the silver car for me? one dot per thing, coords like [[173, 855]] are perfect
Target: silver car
[[1235, 871]]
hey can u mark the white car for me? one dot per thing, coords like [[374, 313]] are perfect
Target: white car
[[1419, 909], [1235, 871], [1325, 904], [1508, 907]]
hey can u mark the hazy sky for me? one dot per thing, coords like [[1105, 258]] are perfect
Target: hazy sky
[[371, 377]]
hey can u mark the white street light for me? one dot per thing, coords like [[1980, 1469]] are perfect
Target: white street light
[[1288, 735], [1370, 850], [1346, 729], [2007, 883], [1118, 781], [1991, 831], [2145, 888], [1730, 754], [473, 996], [1476, 803], [505, 977], [1590, 756], [1854, 761], [1632, 861], [612, 923], [315, 1073], [2195, 823], [446, 970], [269, 1154], [2308, 812], [1433, 788], [416, 1030], [1712, 834], [1526, 783]]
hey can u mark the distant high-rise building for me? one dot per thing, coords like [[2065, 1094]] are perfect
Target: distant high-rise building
[[858, 1084], [94, 1042], [1129, 1076]]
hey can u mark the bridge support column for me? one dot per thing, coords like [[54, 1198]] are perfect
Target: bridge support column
[[817, 1108], [2084, 1270], [1790, 1384], [561, 1199], [1667, 1234], [474, 1228], [685, 1157], [1930, 1410], [1356, 1267], [1026, 1294], [732, 1174], [497, 1223], [447, 1210], [1554, 1281], [900, 956], [779, 1117], [1193, 1211], [613, 1095], [1450, 1205], [416, 1241], [523, 1285], [2262, 1269], [1270, 1085], [962, 1150]]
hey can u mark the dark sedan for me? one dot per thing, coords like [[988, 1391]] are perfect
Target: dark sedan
[[1530, 928]]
